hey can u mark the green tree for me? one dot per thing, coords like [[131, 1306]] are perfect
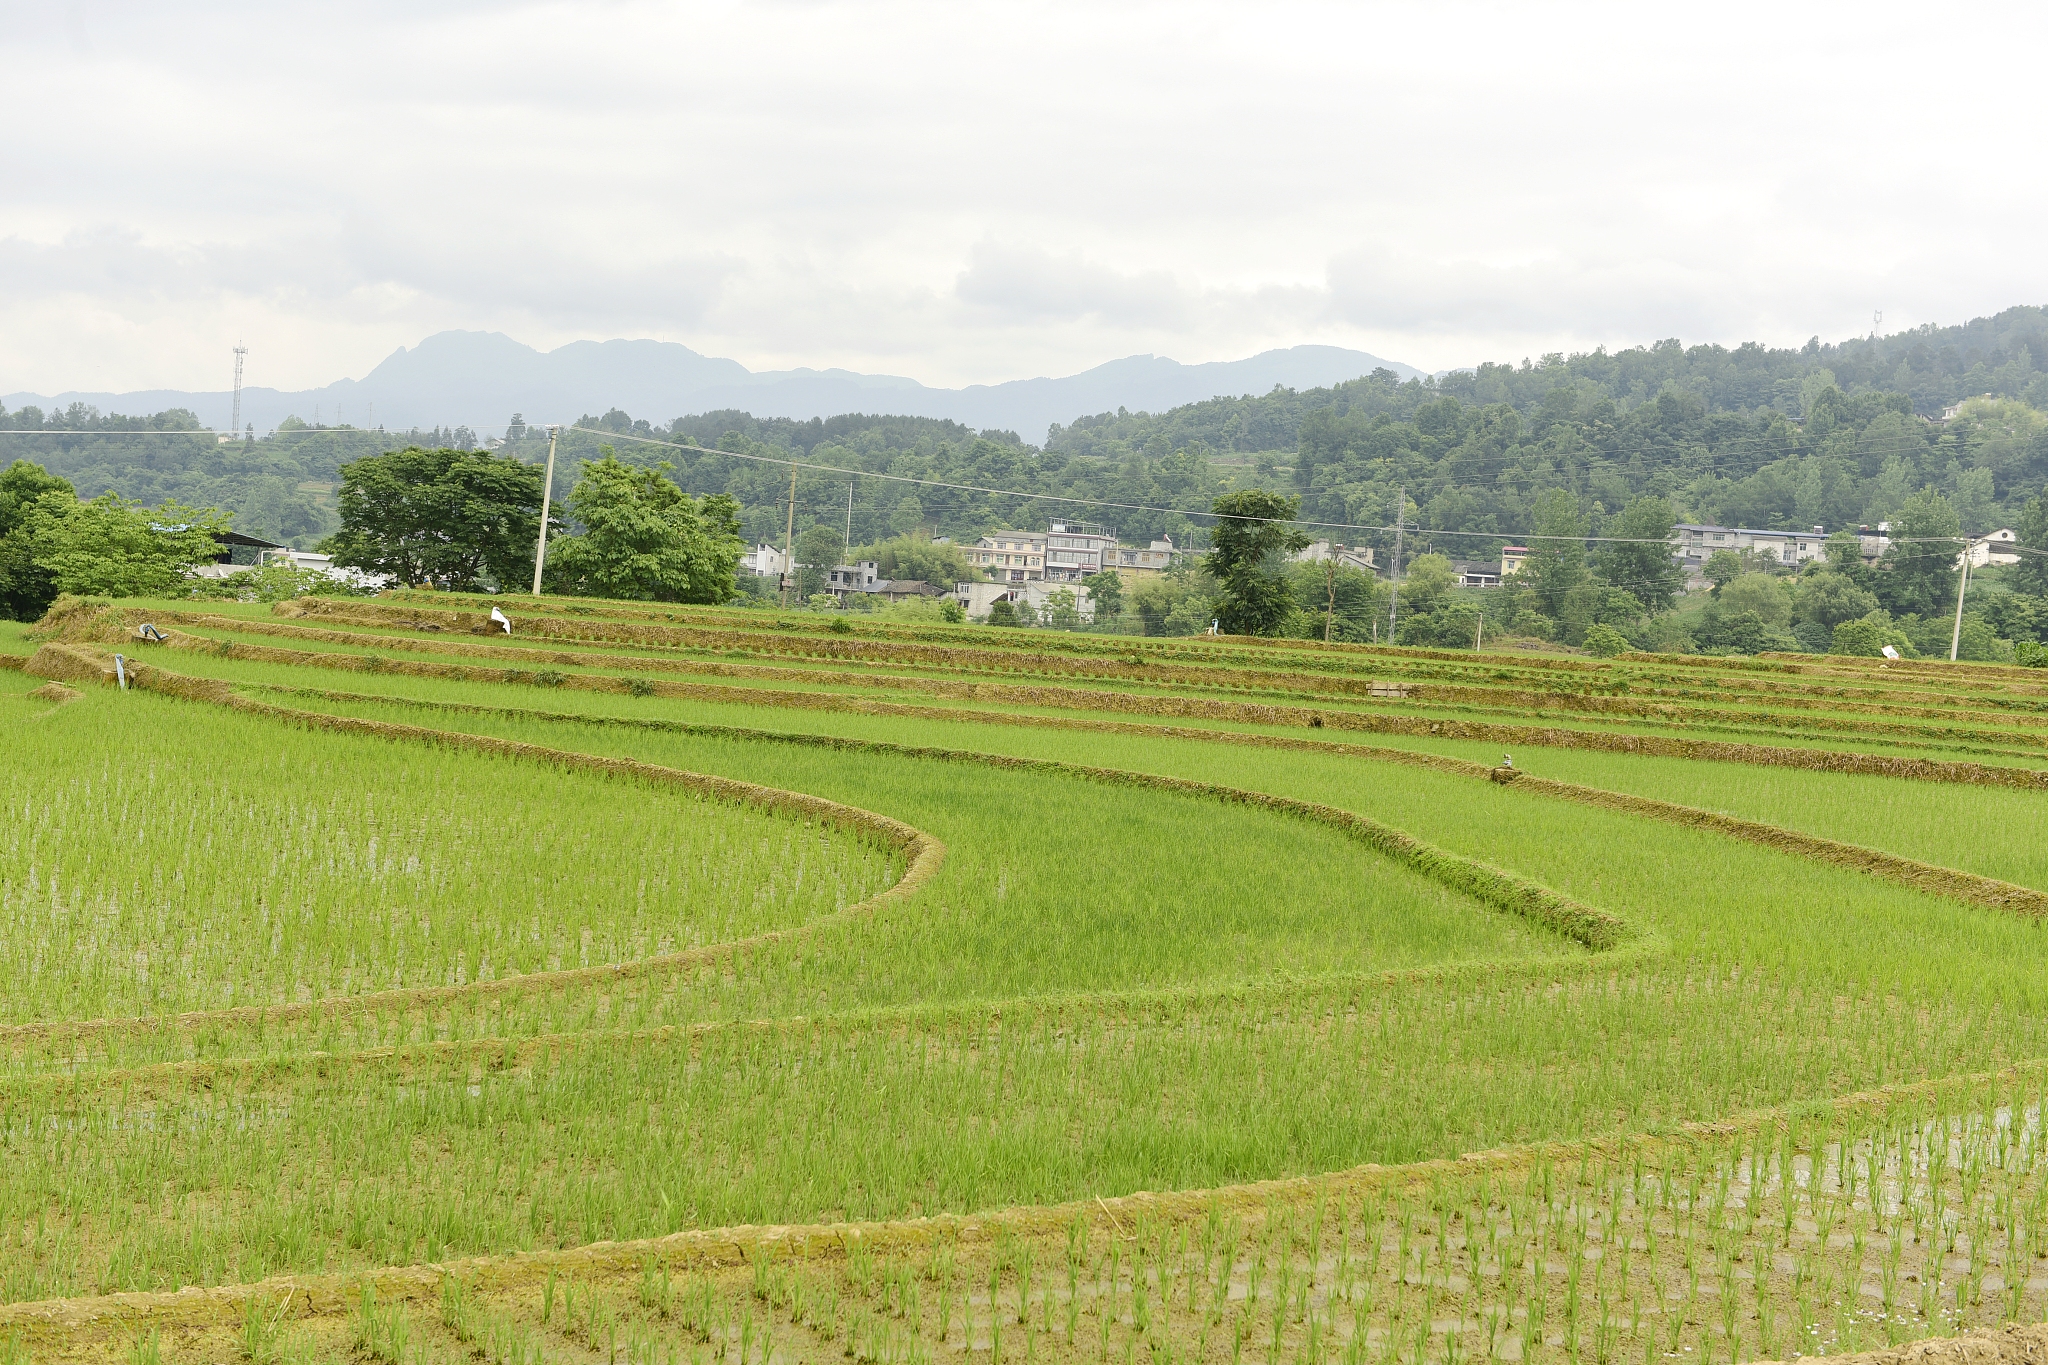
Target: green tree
[[1106, 590], [1557, 551], [110, 547], [1867, 636], [1919, 569], [1637, 558], [1428, 579], [1828, 599], [1844, 555], [1722, 568], [1760, 593], [1604, 640], [941, 564], [1248, 548], [819, 550], [645, 538], [1062, 610], [26, 587], [1177, 602], [463, 519], [2030, 575], [1349, 602], [1003, 612]]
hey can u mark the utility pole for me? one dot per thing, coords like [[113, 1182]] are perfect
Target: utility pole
[[1955, 639], [1330, 574], [1394, 605], [849, 514], [789, 539], [547, 494], [235, 423]]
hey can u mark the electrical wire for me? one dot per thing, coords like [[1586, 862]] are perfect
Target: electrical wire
[[670, 444]]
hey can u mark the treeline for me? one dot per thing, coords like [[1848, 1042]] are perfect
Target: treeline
[[1828, 435], [952, 463], [281, 486]]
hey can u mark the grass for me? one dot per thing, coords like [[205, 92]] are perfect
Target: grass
[[1105, 989]]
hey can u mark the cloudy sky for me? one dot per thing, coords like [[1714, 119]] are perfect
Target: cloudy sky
[[972, 193]]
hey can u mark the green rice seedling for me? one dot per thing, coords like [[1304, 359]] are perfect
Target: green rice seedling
[[657, 1290], [261, 1339]]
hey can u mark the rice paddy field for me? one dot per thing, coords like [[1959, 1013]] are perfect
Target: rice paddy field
[[691, 986]]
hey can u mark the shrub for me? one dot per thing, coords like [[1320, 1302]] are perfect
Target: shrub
[[1866, 638], [1813, 636], [1605, 641]]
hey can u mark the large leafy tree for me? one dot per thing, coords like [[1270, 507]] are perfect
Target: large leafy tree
[[1557, 551], [645, 538], [1338, 602], [111, 547], [462, 519], [1920, 564], [914, 556], [2030, 575], [1248, 548], [1636, 557], [1106, 591], [26, 587]]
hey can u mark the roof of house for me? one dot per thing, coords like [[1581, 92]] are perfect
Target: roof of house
[[1808, 532]]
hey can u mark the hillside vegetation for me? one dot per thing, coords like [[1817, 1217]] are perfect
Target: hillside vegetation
[[1824, 434]]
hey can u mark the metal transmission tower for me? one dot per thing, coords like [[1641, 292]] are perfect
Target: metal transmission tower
[[235, 423]]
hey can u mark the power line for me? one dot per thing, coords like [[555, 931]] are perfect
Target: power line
[[1125, 506], [793, 464]]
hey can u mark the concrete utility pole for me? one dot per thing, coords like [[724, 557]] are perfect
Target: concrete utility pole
[[1955, 639], [1394, 605], [1330, 575], [789, 539], [547, 494]]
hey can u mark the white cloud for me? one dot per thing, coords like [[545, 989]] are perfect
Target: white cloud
[[971, 194]]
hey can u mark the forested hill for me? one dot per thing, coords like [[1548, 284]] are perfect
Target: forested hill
[[1934, 367], [1821, 435]]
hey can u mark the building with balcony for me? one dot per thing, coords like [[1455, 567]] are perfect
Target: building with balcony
[[1010, 556]]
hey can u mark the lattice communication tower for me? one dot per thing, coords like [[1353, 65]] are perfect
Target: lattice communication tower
[[235, 423]]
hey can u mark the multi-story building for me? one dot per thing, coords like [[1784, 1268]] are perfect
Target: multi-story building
[[1696, 542], [1073, 550], [1132, 562], [1010, 556], [764, 561], [1068, 553]]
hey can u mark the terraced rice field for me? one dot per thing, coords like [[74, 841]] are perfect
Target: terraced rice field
[[691, 985]]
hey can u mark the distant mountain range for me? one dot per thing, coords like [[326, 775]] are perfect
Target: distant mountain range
[[479, 379]]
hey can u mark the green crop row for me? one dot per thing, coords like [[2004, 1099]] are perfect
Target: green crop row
[[1231, 965]]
